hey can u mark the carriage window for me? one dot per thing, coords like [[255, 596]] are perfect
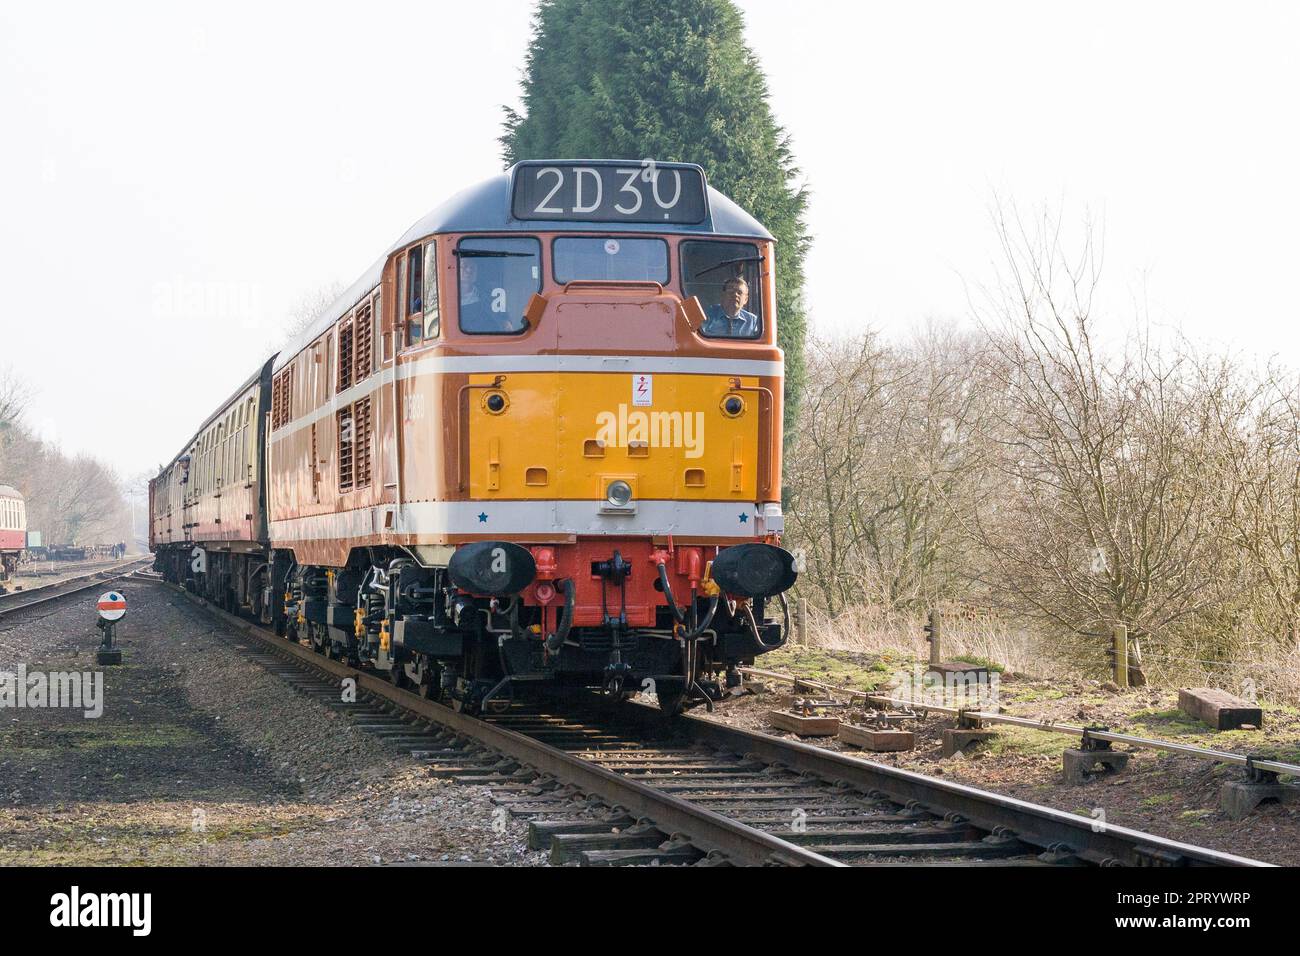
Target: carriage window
[[611, 260], [414, 296], [497, 278], [432, 321], [725, 277]]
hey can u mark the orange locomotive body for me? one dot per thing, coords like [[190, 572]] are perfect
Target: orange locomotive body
[[538, 441]]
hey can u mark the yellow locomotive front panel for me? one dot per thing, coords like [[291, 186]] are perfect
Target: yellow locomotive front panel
[[568, 435]]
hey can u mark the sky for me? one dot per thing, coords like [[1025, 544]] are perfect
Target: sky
[[176, 179]]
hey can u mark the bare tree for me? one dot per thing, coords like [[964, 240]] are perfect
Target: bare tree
[[1072, 484], [83, 503], [69, 500], [14, 396], [888, 464], [1259, 430], [843, 405], [1111, 480]]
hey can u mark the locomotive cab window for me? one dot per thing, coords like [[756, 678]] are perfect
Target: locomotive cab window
[[432, 320], [414, 296], [607, 259], [497, 278], [725, 277]]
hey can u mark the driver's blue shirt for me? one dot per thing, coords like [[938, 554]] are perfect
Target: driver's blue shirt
[[742, 325]]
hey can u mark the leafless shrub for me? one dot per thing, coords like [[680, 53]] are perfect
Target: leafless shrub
[[1070, 485], [887, 456], [14, 397], [1259, 432], [1110, 472], [74, 500]]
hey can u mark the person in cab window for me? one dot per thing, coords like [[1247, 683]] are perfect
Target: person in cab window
[[471, 301], [481, 310], [729, 318]]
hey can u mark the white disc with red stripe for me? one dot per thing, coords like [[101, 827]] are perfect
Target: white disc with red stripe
[[111, 606]]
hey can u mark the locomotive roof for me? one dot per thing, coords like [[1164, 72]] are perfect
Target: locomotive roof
[[8, 491], [485, 207]]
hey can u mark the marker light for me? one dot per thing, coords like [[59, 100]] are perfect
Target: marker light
[[618, 494]]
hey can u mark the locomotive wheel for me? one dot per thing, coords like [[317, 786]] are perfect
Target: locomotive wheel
[[611, 698], [319, 639], [398, 676], [467, 707], [429, 688], [672, 704]]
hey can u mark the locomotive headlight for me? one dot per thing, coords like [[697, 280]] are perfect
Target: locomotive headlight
[[732, 406], [618, 494]]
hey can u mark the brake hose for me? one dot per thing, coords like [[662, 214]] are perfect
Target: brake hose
[[704, 624], [678, 614], [556, 640]]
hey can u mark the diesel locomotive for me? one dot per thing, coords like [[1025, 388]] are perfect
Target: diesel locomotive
[[537, 443]]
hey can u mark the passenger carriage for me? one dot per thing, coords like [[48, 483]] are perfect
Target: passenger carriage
[[13, 530]]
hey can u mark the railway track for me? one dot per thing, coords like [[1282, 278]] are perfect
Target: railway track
[[13, 601], [50, 569], [619, 785]]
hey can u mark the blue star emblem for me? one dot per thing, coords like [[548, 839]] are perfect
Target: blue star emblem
[[744, 518], [482, 517]]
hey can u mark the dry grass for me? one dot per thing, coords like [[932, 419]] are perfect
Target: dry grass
[[1266, 671], [980, 636], [1269, 673]]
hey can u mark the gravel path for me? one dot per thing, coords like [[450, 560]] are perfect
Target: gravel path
[[204, 757]]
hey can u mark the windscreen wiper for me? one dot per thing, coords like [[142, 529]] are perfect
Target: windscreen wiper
[[490, 254], [727, 262]]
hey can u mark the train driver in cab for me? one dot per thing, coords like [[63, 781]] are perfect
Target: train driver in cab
[[483, 310], [729, 318]]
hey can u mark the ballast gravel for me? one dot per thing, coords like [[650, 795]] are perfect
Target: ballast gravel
[[203, 756]]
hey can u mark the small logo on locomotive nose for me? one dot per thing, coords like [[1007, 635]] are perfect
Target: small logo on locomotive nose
[[655, 429]]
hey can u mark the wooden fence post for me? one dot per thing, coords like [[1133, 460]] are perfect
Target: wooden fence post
[[932, 629], [801, 622], [1121, 655]]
